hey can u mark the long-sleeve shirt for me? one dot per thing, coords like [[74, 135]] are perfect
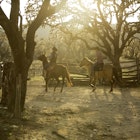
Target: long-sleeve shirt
[[53, 57], [99, 56]]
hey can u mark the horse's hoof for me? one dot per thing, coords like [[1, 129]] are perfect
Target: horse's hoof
[[110, 91], [94, 88]]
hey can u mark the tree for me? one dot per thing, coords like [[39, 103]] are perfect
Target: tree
[[113, 38], [110, 24], [5, 52], [133, 49], [23, 49], [71, 49]]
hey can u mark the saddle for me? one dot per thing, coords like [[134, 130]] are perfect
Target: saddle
[[98, 67], [46, 66], [51, 67]]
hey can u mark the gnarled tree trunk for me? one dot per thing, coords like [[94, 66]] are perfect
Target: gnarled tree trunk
[[22, 50]]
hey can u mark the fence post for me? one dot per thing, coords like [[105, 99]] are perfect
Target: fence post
[[138, 69]]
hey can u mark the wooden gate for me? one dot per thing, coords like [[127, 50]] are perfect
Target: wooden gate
[[131, 71]]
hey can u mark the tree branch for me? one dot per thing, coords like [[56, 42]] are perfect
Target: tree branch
[[14, 13], [45, 11]]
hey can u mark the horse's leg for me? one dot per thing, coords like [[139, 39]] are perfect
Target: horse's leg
[[94, 85], [63, 79], [58, 81], [112, 84], [93, 81], [46, 82]]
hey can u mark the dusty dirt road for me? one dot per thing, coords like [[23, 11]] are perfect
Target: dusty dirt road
[[75, 114]]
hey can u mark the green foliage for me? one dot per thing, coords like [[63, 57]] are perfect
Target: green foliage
[[5, 51]]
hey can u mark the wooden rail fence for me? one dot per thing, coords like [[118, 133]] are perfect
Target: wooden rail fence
[[130, 71]]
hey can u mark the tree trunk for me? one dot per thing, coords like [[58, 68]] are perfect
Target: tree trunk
[[117, 69], [24, 77], [23, 56], [12, 90], [9, 86], [138, 69], [17, 110]]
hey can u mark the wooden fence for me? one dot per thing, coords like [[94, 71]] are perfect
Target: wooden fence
[[130, 71]]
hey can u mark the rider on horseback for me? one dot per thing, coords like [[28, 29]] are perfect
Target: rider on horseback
[[98, 65], [53, 56], [52, 59]]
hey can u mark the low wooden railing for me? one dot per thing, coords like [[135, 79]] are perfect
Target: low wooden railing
[[130, 71]]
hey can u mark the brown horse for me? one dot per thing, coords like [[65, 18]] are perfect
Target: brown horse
[[58, 70], [105, 74]]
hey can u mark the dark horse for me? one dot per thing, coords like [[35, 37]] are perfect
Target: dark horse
[[58, 70], [105, 74]]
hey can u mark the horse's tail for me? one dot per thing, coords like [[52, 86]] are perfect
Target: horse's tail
[[69, 83]]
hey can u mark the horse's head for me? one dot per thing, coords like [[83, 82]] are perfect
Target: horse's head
[[44, 60], [84, 62]]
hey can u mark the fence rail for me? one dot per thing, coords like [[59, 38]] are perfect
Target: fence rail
[[130, 71]]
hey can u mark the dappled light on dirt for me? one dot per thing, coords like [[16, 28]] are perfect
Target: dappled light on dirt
[[75, 114]]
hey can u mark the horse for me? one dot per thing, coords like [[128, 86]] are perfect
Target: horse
[[57, 71], [105, 74]]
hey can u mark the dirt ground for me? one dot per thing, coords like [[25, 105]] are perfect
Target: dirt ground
[[75, 114]]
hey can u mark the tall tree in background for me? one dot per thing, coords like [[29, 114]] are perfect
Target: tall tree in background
[[109, 24], [5, 52], [23, 49], [113, 38]]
